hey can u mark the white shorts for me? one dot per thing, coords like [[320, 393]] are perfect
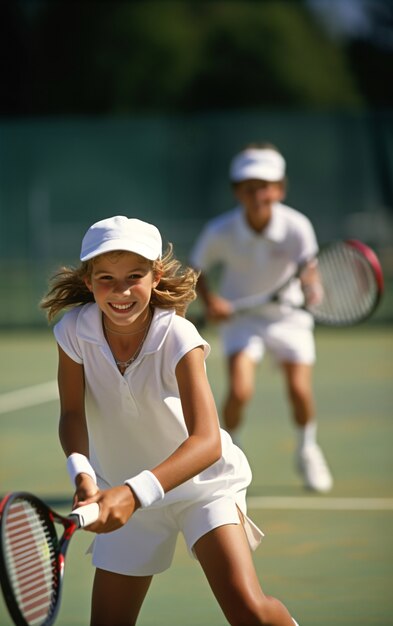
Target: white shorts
[[146, 544], [289, 339]]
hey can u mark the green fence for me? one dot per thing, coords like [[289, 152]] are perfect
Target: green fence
[[57, 176]]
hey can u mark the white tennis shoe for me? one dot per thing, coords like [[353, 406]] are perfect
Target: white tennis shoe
[[315, 471]]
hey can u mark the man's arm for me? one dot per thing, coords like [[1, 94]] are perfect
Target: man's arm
[[216, 307]]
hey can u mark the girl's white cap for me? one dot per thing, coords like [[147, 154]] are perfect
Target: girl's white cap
[[122, 233], [264, 164]]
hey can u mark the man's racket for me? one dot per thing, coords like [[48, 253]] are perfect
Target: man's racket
[[32, 555], [351, 279]]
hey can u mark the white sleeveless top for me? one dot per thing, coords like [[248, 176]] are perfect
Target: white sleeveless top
[[135, 420]]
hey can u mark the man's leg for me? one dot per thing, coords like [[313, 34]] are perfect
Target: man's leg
[[241, 372], [310, 459]]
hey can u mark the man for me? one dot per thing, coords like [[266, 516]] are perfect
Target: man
[[259, 245]]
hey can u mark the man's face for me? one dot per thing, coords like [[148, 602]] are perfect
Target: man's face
[[257, 198]]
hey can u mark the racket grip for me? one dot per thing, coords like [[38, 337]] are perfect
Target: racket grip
[[85, 515]]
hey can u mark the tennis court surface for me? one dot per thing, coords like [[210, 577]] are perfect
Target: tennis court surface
[[329, 558]]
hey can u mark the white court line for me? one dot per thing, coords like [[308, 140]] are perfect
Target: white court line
[[315, 503], [48, 392], [28, 396]]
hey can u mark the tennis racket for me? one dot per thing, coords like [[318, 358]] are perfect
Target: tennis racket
[[32, 555], [351, 282]]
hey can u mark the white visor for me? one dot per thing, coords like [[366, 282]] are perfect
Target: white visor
[[257, 164]]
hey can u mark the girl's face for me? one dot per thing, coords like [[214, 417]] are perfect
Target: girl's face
[[257, 198], [121, 283]]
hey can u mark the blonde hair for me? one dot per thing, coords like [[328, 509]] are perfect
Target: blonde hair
[[175, 290]]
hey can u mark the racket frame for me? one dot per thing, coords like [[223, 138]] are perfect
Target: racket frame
[[368, 256], [372, 260], [60, 545]]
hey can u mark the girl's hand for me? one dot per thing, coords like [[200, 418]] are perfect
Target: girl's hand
[[116, 507], [85, 488]]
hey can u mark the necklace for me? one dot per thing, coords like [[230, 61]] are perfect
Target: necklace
[[122, 365], [118, 332]]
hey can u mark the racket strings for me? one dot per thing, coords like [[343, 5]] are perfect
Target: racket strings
[[31, 558], [349, 286]]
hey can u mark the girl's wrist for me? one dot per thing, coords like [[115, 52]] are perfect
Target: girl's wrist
[[146, 487], [79, 464]]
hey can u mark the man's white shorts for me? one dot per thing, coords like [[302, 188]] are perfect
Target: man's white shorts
[[289, 339], [146, 544]]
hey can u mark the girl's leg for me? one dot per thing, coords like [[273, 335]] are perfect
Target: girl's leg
[[117, 599], [226, 559]]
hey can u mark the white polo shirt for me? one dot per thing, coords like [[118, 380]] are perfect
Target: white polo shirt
[[256, 263], [136, 421]]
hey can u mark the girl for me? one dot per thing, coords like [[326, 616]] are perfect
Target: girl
[[140, 430]]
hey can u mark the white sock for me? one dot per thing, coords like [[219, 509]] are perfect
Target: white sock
[[307, 435]]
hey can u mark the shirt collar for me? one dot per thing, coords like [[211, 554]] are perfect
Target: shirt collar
[[274, 231], [89, 327]]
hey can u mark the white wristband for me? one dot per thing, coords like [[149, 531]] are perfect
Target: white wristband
[[79, 464], [146, 487]]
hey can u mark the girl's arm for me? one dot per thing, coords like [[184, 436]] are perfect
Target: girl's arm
[[202, 448], [72, 426], [74, 438]]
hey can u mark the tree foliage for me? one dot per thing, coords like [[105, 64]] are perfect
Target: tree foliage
[[121, 57]]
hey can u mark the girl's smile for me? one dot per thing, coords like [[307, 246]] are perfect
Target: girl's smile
[[121, 283], [121, 307]]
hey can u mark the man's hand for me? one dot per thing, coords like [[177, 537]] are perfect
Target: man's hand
[[218, 308]]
